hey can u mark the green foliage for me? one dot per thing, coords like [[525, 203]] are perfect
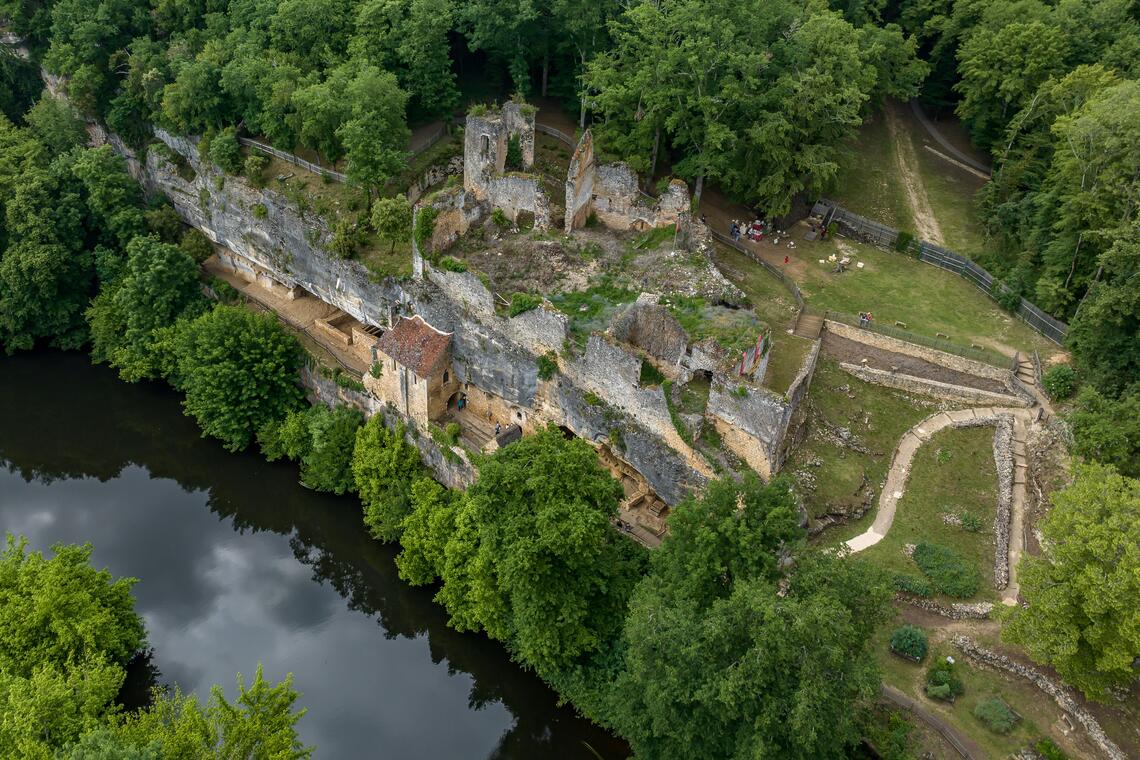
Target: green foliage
[[996, 714], [533, 543], [1080, 617], [261, 212], [163, 222], [971, 522], [225, 151], [452, 264], [384, 466], [1007, 297], [740, 391], [347, 237], [499, 219], [947, 570], [547, 366], [424, 225], [254, 168], [650, 375], [514, 158], [910, 642], [903, 241], [159, 286], [523, 302], [911, 585], [1107, 430], [426, 530], [56, 124], [196, 245], [687, 649], [321, 439], [238, 371], [260, 723], [942, 682], [69, 630], [1048, 750], [592, 399], [376, 370], [1060, 381], [392, 219], [452, 432]]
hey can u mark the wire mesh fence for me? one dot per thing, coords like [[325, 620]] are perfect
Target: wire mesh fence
[[870, 231], [787, 282], [295, 160]]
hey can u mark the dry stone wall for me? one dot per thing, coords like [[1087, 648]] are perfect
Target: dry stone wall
[[922, 386], [941, 358]]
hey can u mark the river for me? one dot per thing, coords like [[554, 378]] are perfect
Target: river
[[238, 564]]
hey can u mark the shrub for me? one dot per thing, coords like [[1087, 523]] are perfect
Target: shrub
[[254, 169], [345, 240], [499, 218], [942, 683], [1007, 297], [1050, 751], [1060, 382], [971, 522], [910, 642], [947, 570], [903, 241], [912, 585], [996, 715], [591, 220], [514, 160], [260, 211], [376, 370], [197, 245], [225, 150], [741, 391], [523, 302], [650, 375], [424, 225], [452, 264], [547, 366], [452, 432]]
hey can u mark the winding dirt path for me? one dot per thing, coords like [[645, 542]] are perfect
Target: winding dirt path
[[895, 484], [925, 223]]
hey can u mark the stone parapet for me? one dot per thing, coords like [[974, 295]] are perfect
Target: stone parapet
[[934, 356], [922, 386]]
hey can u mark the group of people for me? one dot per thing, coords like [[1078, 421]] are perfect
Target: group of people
[[865, 318], [753, 231]]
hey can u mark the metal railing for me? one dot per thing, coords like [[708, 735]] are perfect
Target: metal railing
[[556, 133], [870, 231], [295, 160], [993, 358]]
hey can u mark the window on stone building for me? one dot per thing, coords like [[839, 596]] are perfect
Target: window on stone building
[[485, 144], [445, 376]]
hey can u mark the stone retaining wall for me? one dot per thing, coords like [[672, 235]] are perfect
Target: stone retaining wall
[[934, 356], [1060, 694], [1003, 463], [920, 385], [956, 611]]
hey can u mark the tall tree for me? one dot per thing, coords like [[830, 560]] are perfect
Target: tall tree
[[1081, 593]]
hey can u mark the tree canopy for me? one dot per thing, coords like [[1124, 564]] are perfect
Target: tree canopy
[[1082, 592]]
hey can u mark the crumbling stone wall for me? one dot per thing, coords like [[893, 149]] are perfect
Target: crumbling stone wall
[[515, 193], [749, 419], [652, 328], [611, 192], [485, 140], [456, 210]]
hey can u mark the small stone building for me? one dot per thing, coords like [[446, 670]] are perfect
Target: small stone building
[[416, 375]]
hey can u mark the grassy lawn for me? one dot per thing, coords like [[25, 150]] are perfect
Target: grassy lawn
[[769, 298], [788, 353], [894, 287], [952, 473], [951, 192], [1038, 712], [867, 182], [876, 416]]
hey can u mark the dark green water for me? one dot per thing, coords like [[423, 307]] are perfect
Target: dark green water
[[238, 565]]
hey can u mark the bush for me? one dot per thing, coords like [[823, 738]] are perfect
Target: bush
[[1007, 297], [347, 237], [376, 370], [650, 375], [260, 211], [1050, 751], [424, 225], [1060, 382], [942, 683], [254, 169], [971, 522], [499, 218], [996, 715], [911, 585], [523, 302], [514, 160], [197, 245], [903, 241], [225, 150], [947, 570], [452, 264], [910, 642], [547, 366], [452, 432]]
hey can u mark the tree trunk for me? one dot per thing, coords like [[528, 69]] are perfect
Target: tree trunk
[[653, 158], [700, 189], [545, 70], [582, 98]]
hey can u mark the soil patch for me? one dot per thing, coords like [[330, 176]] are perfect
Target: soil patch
[[926, 224], [853, 352]]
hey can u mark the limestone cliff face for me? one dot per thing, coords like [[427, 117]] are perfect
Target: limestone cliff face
[[286, 246]]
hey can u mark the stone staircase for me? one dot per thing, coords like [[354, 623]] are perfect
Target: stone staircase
[[476, 433], [1025, 371], [808, 325]]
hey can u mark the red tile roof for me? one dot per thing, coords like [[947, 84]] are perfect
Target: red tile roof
[[416, 345]]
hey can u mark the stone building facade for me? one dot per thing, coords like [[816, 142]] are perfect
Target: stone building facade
[[415, 370]]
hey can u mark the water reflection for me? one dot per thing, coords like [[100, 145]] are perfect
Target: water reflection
[[238, 564]]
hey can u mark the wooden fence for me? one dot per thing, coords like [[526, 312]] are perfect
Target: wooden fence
[[870, 231], [786, 281]]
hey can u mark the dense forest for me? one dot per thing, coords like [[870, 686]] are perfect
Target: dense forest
[[758, 98]]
